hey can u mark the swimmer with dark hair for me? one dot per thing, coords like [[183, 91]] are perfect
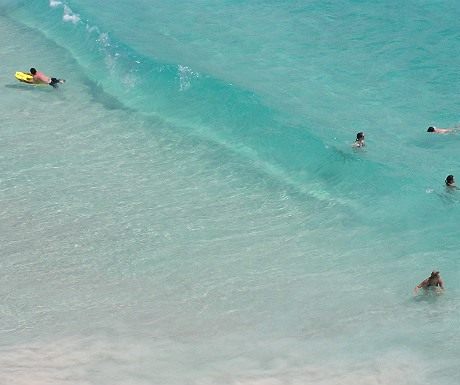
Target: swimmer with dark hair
[[359, 142], [438, 130], [433, 280], [450, 180]]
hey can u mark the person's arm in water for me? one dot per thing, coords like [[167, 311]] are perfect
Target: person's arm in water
[[421, 285], [451, 185], [441, 285]]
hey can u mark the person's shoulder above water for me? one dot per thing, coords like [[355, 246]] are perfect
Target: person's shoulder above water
[[438, 130]]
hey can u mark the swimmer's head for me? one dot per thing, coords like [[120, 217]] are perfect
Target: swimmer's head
[[33, 71], [430, 129], [359, 136], [434, 274], [449, 180]]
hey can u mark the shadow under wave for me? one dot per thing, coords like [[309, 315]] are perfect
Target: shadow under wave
[[98, 95]]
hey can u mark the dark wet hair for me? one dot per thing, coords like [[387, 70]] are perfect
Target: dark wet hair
[[434, 274], [359, 136], [449, 180], [430, 129], [33, 71]]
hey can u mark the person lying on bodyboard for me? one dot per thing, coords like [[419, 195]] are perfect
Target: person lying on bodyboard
[[42, 78]]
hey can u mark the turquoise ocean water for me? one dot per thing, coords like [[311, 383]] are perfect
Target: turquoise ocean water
[[187, 208]]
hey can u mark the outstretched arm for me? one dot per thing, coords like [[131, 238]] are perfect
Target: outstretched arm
[[421, 285]]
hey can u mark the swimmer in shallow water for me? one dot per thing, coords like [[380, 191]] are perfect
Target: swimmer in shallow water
[[433, 280], [450, 180], [359, 142]]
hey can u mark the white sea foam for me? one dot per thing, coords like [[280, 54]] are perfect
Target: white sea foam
[[70, 16], [185, 76]]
